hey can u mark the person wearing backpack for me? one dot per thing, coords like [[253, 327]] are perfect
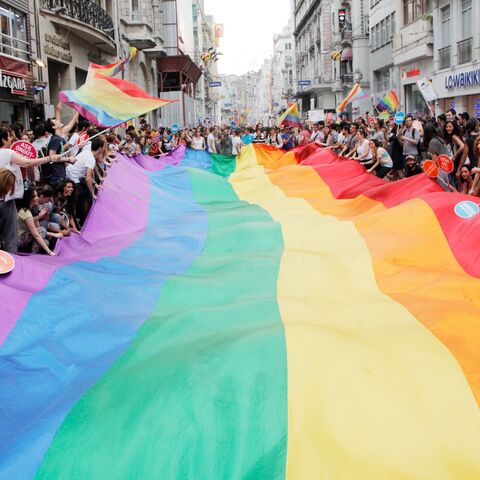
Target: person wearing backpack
[[409, 138], [274, 139]]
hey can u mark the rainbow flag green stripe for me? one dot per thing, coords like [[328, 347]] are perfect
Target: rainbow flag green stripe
[[202, 391]]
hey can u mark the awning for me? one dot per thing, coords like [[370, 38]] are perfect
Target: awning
[[347, 54], [179, 63]]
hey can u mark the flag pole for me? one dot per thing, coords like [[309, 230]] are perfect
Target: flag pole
[[84, 142]]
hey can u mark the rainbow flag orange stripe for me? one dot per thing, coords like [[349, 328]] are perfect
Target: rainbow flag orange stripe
[[356, 93], [271, 316], [113, 69], [109, 102]]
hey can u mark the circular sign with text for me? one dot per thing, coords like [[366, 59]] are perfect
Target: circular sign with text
[[7, 262], [384, 116], [445, 163], [25, 149], [431, 168], [400, 118], [467, 209]]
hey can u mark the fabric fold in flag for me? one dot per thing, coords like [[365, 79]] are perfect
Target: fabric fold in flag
[[356, 93], [291, 117], [109, 102], [113, 69]]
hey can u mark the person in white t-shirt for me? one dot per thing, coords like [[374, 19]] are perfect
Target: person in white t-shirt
[[212, 148], [198, 142], [82, 173], [8, 211], [236, 143]]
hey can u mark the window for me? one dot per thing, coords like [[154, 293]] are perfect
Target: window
[[388, 28], [467, 19], [383, 34], [415, 9], [13, 32], [136, 11], [445, 25]]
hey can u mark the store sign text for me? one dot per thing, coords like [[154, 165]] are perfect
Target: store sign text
[[414, 72], [464, 79], [15, 84]]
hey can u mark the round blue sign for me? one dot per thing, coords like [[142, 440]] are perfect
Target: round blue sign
[[400, 118], [175, 128], [467, 209]]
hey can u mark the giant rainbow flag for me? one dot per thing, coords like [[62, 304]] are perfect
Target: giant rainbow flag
[[279, 315], [109, 102]]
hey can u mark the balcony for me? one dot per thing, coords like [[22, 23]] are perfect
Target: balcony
[[445, 57], [465, 51], [347, 36], [347, 78], [84, 17]]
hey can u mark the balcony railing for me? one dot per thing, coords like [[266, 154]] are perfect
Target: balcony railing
[[347, 78], [14, 47], [85, 11], [465, 50], [445, 57]]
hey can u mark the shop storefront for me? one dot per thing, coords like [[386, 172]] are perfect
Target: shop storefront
[[459, 90], [15, 90], [413, 101]]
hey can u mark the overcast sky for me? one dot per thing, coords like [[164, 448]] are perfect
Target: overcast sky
[[249, 29]]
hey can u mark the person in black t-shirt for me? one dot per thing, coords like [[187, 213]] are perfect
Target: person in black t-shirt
[[411, 166]]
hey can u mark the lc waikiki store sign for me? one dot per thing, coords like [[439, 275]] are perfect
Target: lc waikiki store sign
[[463, 79]]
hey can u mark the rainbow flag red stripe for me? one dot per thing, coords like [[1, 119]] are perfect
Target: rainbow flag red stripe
[[109, 102]]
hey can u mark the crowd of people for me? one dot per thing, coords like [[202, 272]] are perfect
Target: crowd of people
[[49, 198]]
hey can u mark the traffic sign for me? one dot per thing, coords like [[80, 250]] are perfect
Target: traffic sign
[[305, 82], [7, 262], [445, 163], [400, 118], [215, 84], [175, 128], [431, 168], [467, 209]]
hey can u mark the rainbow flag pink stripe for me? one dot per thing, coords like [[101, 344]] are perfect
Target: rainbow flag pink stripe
[[356, 93], [109, 102], [113, 69]]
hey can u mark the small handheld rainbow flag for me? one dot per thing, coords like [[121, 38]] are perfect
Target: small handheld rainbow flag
[[390, 100], [291, 117], [113, 69], [109, 102], [355, 94]]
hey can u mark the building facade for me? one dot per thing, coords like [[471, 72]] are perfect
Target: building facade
[[332, 52], [141, 26], [70, 34], [283, 69], [413, 52], [16, 62], [178, 73], [383, 74], [456, 55]]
